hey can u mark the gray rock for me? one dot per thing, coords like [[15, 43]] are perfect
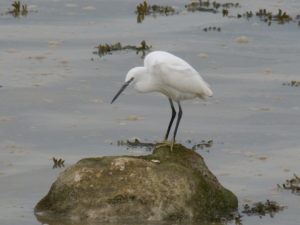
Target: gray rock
[[165, 185]]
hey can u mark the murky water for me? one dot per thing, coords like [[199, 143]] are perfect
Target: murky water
[[55, 99]]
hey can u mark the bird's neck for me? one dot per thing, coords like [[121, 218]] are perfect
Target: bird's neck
[[144, 81]]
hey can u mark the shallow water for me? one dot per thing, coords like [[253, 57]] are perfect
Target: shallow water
[[55, 99]]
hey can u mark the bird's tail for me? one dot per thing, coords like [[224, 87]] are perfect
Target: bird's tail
[[206, 92]]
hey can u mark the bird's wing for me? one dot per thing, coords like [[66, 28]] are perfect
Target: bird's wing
[[180, 76]]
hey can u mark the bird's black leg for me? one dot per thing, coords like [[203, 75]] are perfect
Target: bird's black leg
[[172, 119], [178, 121]]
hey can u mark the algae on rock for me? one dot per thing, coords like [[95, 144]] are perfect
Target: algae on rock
[[165, 185]]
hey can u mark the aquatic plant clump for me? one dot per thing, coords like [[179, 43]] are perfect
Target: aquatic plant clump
[[268, 17], [57, 163], [293, 83], [202, 145], [292, 184], [281, 17], [108, 48], [18, 9], [207, 6], [262, 209], [136, 143], [144, 9]]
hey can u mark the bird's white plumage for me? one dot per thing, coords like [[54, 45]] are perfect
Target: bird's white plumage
[[170, 75]]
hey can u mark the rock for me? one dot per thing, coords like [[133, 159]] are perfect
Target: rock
[[165, 185]]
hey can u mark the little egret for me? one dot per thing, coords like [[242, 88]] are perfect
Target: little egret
[[170, 75]]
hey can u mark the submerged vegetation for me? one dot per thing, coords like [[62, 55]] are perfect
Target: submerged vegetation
[[104, 49], [203, 145], [263, 15], [293, 83], [292, 184], [262, 209], [18, 9], [207, 6], [144, 9], [268, 17], [135, 143], [57, 163], [256, 209]]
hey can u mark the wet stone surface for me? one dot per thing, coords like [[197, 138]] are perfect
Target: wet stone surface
[[163, 186]]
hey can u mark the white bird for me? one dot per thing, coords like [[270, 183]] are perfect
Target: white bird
[[170, 75]]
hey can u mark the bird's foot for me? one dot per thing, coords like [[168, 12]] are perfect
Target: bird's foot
[[163, 144], [166, 143]]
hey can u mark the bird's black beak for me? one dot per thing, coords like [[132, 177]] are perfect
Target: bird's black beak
[[121, 90]]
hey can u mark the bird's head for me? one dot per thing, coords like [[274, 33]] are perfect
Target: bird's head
[[132, 77]]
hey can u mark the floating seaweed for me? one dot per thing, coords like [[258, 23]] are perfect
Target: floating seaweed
[[225, 12], [202, 145], [212, 28], [207, 6], [18, 9], [293, 83], [135, 143], [257, 209], [144, 9], [261, 209], [266, 16], [199, 6], [247, 15], [108, 48], [57, 163], [292, 184]]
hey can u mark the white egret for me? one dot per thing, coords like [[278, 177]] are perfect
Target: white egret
[[170, 75]]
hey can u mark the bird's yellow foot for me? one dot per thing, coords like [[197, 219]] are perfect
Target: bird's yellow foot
[[163, 144], [166, 143]]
